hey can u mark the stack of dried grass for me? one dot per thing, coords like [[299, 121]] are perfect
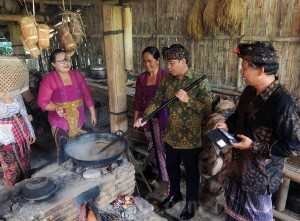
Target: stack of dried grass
[[66, 39], [210, 17], [76, 26], [30, 35], [195, 23], [230, 15], [71, 31], [44, 36], [35, 37]]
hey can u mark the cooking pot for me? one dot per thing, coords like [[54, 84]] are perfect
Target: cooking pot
[[98, 71], [84, 149]]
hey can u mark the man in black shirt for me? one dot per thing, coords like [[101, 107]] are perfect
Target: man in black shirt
[[267, 121]]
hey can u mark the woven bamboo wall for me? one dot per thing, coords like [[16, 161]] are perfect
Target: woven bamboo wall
[[163, 22]]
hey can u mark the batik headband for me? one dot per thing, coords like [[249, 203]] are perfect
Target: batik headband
[[174, 53], [257, 53]]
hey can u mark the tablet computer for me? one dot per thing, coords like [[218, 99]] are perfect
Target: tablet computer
[[220, 137]]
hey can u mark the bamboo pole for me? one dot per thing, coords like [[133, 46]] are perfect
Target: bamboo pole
[[291, 175], [282, 194], [16, 18], [282, 216], [128, 48]]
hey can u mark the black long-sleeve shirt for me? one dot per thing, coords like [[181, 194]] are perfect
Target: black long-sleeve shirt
[[272, 121]]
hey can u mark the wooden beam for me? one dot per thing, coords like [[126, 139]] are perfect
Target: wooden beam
[[16, 18], [76, 2], [114, 57]]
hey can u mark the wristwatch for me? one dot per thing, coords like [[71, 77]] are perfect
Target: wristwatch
[[254, 147]]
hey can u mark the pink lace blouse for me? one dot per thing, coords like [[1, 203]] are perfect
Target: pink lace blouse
[[53, 90]]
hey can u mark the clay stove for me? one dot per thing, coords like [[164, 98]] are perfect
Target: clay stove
[[71, 190]]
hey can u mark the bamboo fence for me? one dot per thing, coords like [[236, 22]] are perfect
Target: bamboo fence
[[163, 22]]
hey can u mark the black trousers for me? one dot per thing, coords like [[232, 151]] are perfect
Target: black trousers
[[190, 158]]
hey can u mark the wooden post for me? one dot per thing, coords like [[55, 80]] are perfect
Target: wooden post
[[114, 57], [17, 45]]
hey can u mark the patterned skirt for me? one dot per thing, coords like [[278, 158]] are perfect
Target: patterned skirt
[[61, 138], [15, 167], [245, 206], [157, 156]]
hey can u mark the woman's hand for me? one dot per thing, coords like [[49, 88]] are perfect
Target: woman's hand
[[93, 115], [93, 119], [244, 144], [138, 123], [182, 96], [60, 111], [32, 140]]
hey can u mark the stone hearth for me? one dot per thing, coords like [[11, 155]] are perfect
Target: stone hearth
[[72, 191]]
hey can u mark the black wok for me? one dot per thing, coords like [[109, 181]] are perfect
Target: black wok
[[83, 149]]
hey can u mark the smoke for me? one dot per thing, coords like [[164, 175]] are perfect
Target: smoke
[[88, 146]]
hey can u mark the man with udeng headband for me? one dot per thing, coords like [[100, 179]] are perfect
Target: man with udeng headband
[[183, 132], [267, 121]]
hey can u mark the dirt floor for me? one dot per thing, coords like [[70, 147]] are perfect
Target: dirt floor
[[44, 153]]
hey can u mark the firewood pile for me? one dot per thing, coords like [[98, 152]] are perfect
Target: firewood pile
[[213, 163]]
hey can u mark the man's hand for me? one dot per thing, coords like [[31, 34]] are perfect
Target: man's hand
[[244, 144], [138, 123], [182, 96]]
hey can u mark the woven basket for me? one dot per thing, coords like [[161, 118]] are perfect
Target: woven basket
[[14, 77]]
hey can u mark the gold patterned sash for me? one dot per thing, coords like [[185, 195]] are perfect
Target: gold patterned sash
[[72, 116]]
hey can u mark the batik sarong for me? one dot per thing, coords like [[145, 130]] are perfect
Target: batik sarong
[[61, 138], [245, 206], [157, 152]]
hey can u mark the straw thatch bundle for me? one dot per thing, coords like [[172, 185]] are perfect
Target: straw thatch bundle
[[210, 23], [44, 36], [230, 15], [76, 25], [29, 30], [66, 39], [194, 22], [32, 48]]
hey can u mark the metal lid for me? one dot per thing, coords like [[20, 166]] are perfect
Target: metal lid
[[38, 188]]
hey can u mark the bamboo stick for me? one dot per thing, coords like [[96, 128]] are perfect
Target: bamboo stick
[[128, 48]]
